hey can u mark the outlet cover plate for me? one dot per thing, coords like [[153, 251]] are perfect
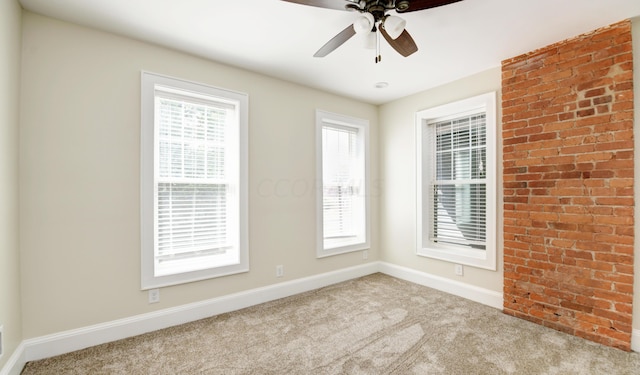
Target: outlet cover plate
[[459, 270], [279, 270], [154, 295]]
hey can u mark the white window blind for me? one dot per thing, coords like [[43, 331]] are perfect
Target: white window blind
[[340, 177], [193, 185], [457, 182], [342, 144], [193, 203]]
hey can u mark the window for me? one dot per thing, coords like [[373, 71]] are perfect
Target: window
[[457, 182], [342, 169], [193, 181]]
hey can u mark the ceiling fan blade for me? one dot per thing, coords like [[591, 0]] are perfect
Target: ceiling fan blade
[[426, 4], [329, 4], [404, 44], [336, 41]]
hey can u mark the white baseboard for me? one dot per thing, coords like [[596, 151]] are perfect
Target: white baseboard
[[635, 340], [68, 341], [16, 362], [72, 340], [474, 293], [468, 291]]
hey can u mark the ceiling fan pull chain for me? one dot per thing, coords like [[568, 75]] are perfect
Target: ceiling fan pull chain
[[378, 55]]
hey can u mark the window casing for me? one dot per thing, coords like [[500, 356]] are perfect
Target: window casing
[[457, 182], [193, 182], [342, 195]]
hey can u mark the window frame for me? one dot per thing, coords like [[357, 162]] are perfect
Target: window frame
[[324, 118], [487, 258], [148, 184]]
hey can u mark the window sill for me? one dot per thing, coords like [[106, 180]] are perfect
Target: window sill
[[324, 253], [473, 258]]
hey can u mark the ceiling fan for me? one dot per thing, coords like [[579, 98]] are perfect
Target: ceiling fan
[[374, 18]]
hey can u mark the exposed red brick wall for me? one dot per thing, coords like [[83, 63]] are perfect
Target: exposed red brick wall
[[568, 185]]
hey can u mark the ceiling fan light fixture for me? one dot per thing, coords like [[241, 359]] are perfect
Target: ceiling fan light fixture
[[370, 40], [394, 26], [364, 23]]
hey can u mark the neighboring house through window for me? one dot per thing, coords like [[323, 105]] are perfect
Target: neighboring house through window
[[193, 181], [342, 172], [457, 182]]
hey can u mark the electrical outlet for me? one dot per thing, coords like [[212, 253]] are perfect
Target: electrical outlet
[[279, 270], [154, 295], [365, 254], [458, 270]]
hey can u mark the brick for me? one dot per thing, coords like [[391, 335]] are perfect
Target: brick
[[623, 288], [557, 75], [611, 201], [568, 179], [516, 140], [622, 106], [592, 246], [624, 192], [613, 220], [603, 100], [614, 146], [566, 116], [621, 249], [592, 283], [607, 81], [624, 173], [529, 146], [506, 110], [593, 265], [623, 86], [624, 268], [528, 130], [614, 258], [611, 239], [537, 120], [609, 126], [615, 164], [513, 125], [623, 308], [594, 120], [578, 149], [626, 135]]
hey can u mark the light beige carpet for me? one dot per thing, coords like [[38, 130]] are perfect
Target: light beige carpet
[[373, 325]]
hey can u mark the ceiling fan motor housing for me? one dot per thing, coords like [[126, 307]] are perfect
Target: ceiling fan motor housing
[[403, 5], [379, 8]]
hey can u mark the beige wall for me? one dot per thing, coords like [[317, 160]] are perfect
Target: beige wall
[[79, 163], [10, 314], [398, 172], [80, 176]]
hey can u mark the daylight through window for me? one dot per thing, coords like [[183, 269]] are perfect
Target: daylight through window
[[342, 169], [456, 182], [193, 184]]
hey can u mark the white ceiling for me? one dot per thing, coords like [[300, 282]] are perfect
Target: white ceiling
[[279, 39]]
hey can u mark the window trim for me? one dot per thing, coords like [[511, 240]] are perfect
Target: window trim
[[148, 189], [328, 118], [486, 259]]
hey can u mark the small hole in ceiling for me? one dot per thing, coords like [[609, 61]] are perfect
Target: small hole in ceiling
[[382, 85]]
